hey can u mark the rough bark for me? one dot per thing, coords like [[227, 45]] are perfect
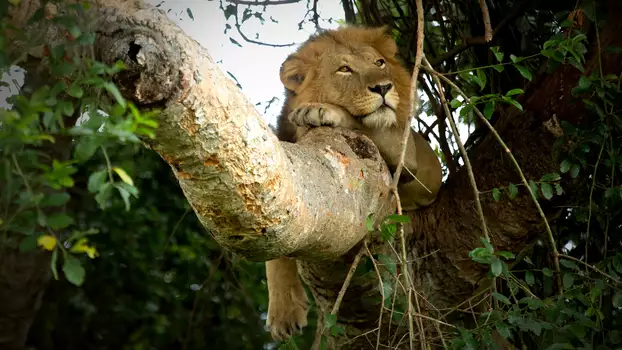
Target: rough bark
[[261, 198]]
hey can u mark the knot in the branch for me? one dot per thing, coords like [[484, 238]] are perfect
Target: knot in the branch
[[149, 51]]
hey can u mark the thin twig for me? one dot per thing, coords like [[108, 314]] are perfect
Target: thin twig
[[346, 283], [381, 293], [589, 215], [616, 280], [467, 162], [396, 177], [196, 298], [486, 18], [518, 169]]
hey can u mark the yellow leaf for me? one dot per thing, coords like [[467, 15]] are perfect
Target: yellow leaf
[[47, 242], [124, 176], [14, 2], [82, 247]]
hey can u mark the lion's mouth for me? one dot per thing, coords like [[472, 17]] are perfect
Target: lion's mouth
[[382, 109]]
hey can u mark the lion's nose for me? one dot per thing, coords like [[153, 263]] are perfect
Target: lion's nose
[[381, 89]]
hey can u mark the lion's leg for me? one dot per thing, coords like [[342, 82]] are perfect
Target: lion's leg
[[287, 300]]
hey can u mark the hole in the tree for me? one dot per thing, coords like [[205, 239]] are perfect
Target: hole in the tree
[[133, 51]]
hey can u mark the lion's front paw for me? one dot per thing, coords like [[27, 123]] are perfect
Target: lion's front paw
[[287, 313], [319, 114]]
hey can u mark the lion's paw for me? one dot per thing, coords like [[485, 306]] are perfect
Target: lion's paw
[[318, 114], [287, 313]]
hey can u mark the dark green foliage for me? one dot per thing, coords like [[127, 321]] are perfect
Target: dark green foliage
[[158, 269]]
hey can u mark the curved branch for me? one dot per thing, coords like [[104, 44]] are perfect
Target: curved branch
[[256, 196]]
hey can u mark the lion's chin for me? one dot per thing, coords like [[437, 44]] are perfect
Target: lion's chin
[[381, 118]]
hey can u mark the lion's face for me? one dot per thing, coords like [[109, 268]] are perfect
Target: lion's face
[[354, 69]]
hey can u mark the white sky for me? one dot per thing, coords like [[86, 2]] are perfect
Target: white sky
[[255, 67]]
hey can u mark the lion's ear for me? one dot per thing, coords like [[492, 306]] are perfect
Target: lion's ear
[[293, 72]]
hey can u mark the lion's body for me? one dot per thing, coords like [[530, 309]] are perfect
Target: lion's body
[[350, 78]]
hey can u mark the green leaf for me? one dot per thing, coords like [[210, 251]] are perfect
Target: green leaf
[[125, 195], [506, 255], [55, 200], [59, 221], [498, 54], [514, 103], [387, 289], [74, 272], [481, 79], [547, 190], [496, 266], [584, 83], [502, 298], [104, 193], [503, 329], [75, 91], [513, 58], [524, 71], [515, 92], [565, 166], [131, 189], [558, 189], [496, 194], [487, 244], [398, 218], [534, 188], [547, 272], [85, 148], [569, 264], [568, 280], [617, 300], [388, 262], [369, 222], [114, 91], [455, 103], [513, 191], [189, 12], [96, 180], [330, 320], [574, 170], [550, 177], [235, 42], [337, 330], [529, 278], [29, 243], [489, 109]]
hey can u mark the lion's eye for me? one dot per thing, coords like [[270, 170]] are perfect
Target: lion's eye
[[380, 62], [344, 69]]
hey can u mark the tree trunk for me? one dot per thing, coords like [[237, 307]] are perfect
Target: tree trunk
[[262, 199]]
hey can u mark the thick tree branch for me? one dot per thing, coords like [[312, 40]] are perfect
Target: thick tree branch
[[256, 196]]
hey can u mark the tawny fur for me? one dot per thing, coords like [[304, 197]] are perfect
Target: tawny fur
[[349, 78]]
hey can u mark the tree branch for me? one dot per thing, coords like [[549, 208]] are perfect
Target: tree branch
[[480, 40], [256, 196]]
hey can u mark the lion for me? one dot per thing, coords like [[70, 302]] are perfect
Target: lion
[[349, 78]]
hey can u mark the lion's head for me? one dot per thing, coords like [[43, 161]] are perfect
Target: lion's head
[[355, 68]]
